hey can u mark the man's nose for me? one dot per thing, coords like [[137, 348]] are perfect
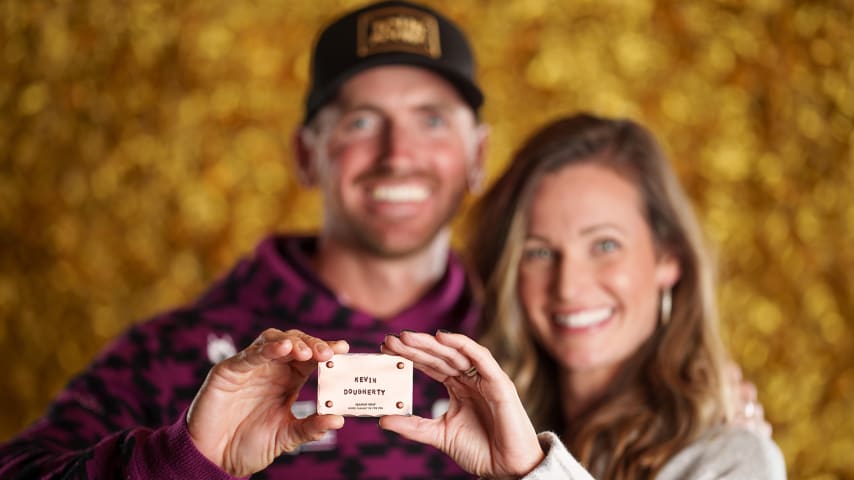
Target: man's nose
[[398, 143]]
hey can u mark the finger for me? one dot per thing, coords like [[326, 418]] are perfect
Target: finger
[[309, 350], [339, 346], [422, 360], [320, 349], [765, 429], [759, 411], [734, 372], [308, 429], [269, 346], [293, 345], [747, 391], [478, 355], [428, 343], [430, 372], [413, 427]]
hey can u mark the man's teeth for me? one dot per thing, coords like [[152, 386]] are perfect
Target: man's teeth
[[585, 318], [400, 193]]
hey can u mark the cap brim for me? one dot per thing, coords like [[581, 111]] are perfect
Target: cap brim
[[469, 92]]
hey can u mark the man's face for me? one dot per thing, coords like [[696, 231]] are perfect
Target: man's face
[[393, 156]]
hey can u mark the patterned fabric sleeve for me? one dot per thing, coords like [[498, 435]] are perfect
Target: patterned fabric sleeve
[[109, 423]]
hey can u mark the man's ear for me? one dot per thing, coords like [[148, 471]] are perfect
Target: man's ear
[[475, 173], [303, 147]]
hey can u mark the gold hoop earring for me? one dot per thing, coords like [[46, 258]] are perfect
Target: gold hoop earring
[[666, 305]]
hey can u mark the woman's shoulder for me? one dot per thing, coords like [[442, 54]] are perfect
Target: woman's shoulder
[[727, 452]]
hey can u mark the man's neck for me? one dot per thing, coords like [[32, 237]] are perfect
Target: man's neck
[[380, 286]]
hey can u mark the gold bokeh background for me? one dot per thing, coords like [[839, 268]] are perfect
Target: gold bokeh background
[[144, 146]]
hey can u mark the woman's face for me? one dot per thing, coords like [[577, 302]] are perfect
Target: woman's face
[[589, 277]]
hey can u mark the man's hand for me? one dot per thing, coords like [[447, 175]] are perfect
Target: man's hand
[[748, 411], [241, 417]]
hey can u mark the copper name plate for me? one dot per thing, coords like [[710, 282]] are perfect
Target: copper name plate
[[365, 385]]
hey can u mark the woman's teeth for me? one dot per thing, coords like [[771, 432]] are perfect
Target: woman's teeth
[[584, 319]]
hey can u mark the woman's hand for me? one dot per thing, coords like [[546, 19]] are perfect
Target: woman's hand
[[486, 429], [241, 417]]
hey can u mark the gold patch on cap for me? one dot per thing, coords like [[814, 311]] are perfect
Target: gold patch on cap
[[398, 29]]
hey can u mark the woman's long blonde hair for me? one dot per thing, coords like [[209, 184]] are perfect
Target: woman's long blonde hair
[[673, 388]]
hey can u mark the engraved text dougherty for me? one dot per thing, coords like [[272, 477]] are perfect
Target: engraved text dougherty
[[362, 384]]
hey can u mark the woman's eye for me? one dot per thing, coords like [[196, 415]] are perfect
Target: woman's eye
[[538, 253]]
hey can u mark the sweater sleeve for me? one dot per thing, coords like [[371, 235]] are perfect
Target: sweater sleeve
[[558, 462], [728, 453], [116, 420], [722, 454], [136, 453]]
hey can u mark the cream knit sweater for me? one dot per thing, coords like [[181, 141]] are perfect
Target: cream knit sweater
[[723, 453]]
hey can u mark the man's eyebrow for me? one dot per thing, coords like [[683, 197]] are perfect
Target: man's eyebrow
[[434, 105], [444, 106], [351, 106]]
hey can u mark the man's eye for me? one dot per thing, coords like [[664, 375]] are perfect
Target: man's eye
[[607, 245], [435, 121], [358, 123]]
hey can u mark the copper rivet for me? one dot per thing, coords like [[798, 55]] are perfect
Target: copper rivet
[[400, 365], [329, 364], [399, 404], [329, 404]]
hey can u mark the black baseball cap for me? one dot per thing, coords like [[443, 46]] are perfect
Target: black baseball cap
[[390, 33]]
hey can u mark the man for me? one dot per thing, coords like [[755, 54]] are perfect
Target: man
[[391, 138]]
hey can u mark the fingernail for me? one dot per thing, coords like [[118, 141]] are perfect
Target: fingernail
[[442, 330]]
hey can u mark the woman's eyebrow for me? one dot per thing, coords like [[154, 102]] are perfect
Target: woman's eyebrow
[[602, 226]]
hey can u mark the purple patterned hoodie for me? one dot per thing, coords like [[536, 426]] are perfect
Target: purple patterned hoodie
[[124, 417]]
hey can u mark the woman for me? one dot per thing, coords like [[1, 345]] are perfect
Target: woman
[[599, 305]]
